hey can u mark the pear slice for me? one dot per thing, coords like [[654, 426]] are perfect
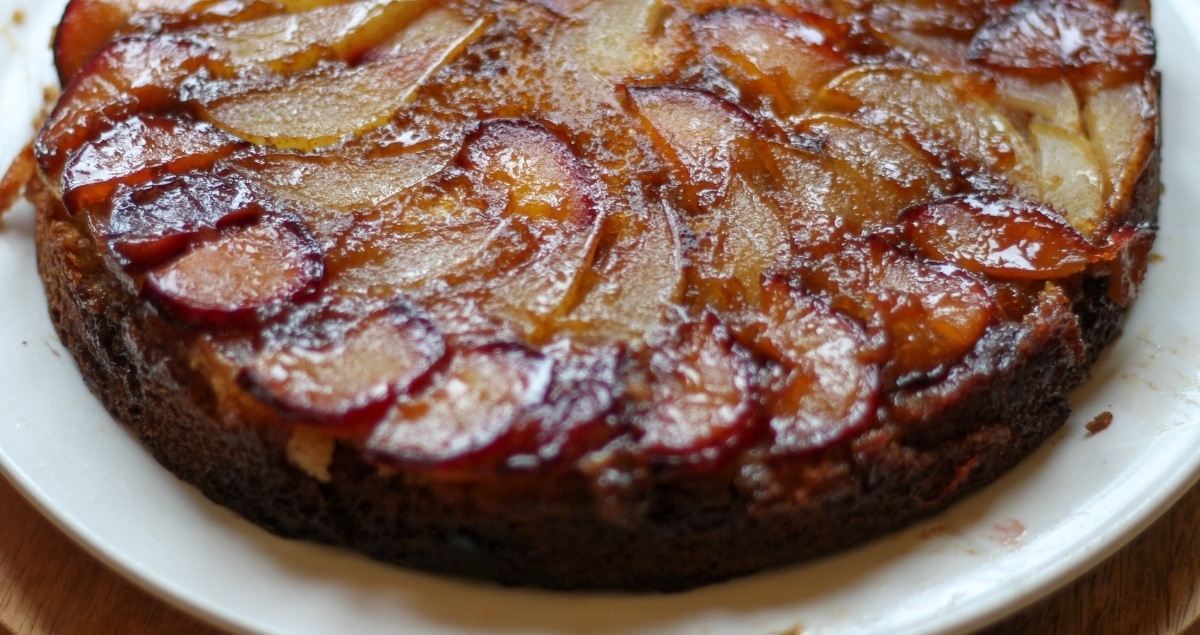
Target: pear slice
[[1070, 176], [325, 106], [294, 42], [949, 118]]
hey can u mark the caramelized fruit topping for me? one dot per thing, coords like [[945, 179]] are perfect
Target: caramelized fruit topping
[[512, 233]]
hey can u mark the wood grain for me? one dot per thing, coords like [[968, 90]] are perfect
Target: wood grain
[[49, 586]]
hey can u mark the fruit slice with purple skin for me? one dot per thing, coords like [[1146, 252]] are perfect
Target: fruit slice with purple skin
[[351, 378], [1011, 239], [240, 272], [930, 314], [785, 59], [153, 223], [138, 150], [472, 415], [701, 395], [132, 76], [740, 232], [551, 199], [87, 26], [698, 131], [1092, 38], [828, 381]]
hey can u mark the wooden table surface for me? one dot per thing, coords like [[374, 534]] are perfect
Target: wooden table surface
[[48, 585]]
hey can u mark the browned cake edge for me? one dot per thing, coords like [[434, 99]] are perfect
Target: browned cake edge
[[993, 410]]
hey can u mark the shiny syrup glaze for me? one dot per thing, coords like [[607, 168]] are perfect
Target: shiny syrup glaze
[[482, 234]]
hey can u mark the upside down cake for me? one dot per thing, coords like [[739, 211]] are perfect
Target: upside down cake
[[625, 294]]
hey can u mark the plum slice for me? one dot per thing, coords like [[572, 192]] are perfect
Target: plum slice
[[548, 224], [242, 271], [701, 395], [138, 150], [351, 377], [1011, 239], [87, 26], [153, 223], [789, 59], [1044, 36], [132, 76], [472, 414], [697, 130], [929, 314], [829, 381]]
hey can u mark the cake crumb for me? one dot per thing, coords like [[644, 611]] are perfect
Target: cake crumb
[[14, 180], [312, 451], [1099, 423], [18, 17], [1008, 533]]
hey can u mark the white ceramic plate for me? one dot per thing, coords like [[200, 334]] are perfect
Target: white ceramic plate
[[1074, 502]]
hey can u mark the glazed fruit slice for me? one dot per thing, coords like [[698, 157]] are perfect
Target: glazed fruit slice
[[828, 382], [131, 76], [900, 175], [1003, 237], [635, 279], [702, 394], [294, 42], [88, 26], [325, 106], [781, 60], [153, 223], [1076, 35], [699, 131], [239, 273], [930, 314], [138, 150], [942, 112], [477, 410], [544, 194], [351, 377]]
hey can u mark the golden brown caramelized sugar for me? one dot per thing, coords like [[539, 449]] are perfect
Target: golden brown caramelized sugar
[[472, 233]]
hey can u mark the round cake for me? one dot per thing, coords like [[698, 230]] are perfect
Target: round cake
[[613, 294]]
